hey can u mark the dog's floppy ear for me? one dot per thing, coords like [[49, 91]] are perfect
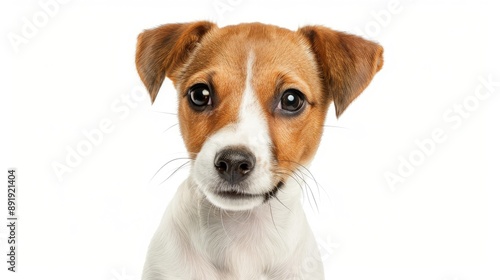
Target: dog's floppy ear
[[347, 62], [162, 51]]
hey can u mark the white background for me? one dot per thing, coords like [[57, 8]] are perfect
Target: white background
[[77, 70]]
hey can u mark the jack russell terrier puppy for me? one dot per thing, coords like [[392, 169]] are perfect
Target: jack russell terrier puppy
[[252, 102]]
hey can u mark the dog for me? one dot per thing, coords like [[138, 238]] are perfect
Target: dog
[[253, 99]]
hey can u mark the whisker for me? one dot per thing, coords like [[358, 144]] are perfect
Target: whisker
[[313, 196], [307, 188], [175, 171], [166, 165], [293, 176], [170, 127], [297, 173], [167, 113], [283, 204], [310, 176], [335, 126]]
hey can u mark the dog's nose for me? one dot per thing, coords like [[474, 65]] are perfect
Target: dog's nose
[[234, 164]]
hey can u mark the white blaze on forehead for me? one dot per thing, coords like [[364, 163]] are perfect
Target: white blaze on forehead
[[252, 123]]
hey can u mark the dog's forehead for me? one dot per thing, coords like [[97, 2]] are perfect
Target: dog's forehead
[[269, 45], [277, 53]]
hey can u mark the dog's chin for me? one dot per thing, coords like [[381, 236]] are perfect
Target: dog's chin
[[234, 201], [239, 201]]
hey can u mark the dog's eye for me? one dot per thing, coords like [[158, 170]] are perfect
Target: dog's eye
[[292, 101], [199, 95]]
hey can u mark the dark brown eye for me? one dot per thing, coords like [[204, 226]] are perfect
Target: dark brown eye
[[200, 95], [292, 101]]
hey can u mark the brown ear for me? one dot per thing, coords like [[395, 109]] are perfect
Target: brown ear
[[162, 51], [347, 62]]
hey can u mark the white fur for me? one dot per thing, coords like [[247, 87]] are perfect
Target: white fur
[[204, 236]]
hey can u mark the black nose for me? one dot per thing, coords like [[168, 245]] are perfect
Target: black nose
[[234, 164]]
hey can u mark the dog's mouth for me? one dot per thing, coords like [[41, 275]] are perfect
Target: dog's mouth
[[238, 195]]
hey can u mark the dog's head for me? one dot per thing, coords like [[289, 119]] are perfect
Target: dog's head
[[253, 98]]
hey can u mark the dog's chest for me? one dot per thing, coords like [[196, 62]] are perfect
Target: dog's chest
[[245, 245]]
